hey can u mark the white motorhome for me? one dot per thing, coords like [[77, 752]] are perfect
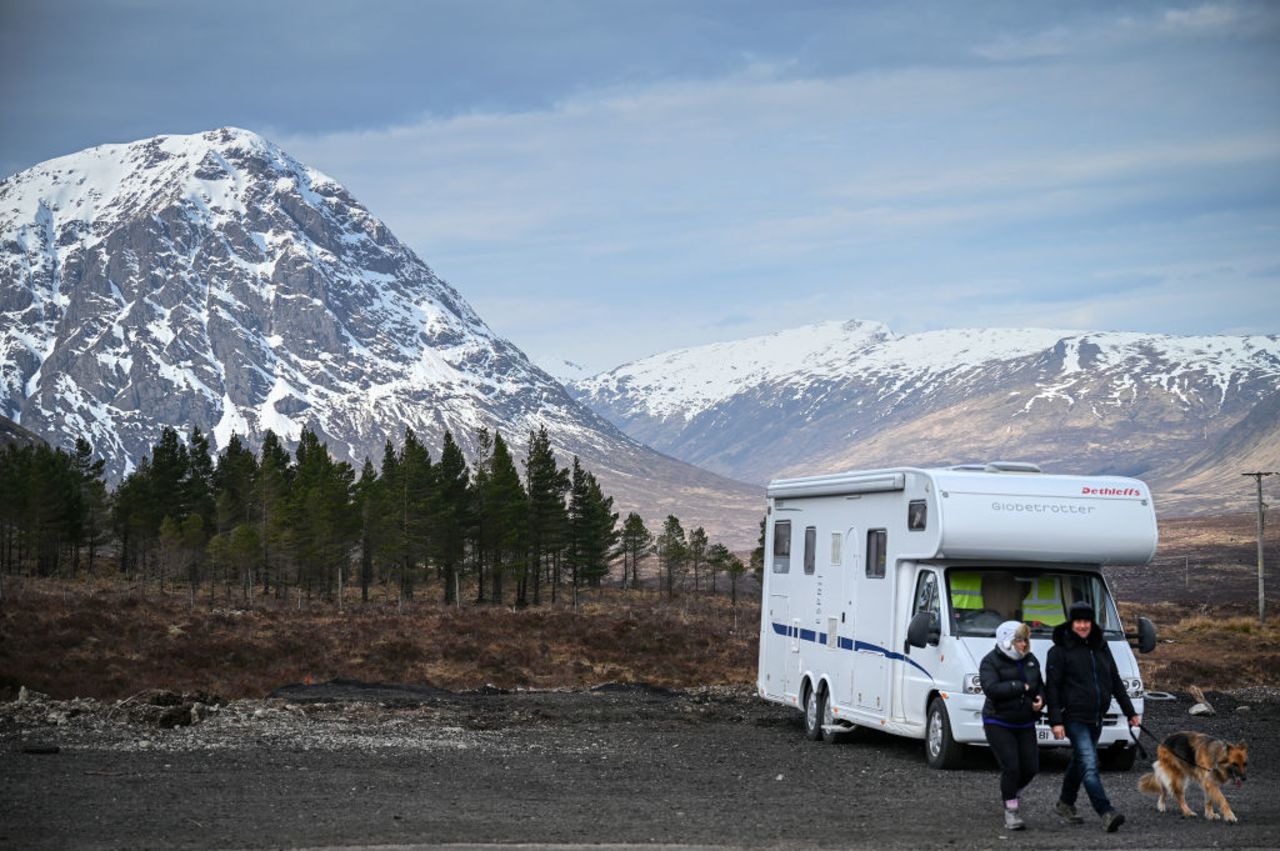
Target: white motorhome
[[883, 590]]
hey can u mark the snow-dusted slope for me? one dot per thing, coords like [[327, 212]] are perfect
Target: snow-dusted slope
[[212, 280], [840, 395]]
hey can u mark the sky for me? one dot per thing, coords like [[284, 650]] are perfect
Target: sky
[[604, 180]]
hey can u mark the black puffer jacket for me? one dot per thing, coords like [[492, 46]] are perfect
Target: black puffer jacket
[[1005, 682], [1081, 678]]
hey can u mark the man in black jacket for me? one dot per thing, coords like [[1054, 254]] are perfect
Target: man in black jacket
[[1080, 679]]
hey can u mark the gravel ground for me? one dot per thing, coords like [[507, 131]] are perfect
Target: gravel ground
[[348, 765]]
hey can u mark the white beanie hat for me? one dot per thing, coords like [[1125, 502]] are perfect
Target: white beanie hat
[[1005, 633]]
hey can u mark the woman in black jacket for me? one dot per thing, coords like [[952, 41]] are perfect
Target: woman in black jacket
[[1015, 695], [1082, 678]]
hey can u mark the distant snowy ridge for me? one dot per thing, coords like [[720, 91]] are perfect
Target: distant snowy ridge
[[684, 383], [841, 395]]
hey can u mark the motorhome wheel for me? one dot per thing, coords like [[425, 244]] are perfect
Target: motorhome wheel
[[814, 709], [940, 749]]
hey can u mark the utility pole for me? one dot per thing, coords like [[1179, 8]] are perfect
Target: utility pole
[[1261, 507]]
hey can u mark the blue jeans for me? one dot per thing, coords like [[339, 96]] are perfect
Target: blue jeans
[[1083, 767]]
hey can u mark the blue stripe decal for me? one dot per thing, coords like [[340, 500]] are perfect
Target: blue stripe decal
[[846, 644]]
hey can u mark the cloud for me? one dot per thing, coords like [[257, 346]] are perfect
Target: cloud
[[941, 196]]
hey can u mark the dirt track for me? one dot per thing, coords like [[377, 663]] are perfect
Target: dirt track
[[631, 765]]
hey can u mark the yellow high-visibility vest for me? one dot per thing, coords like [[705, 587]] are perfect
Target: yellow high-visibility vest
[[1043, 602], [966, 590]]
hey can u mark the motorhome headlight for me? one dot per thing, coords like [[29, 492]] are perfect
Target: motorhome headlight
[[1133, 686], [972, 684]]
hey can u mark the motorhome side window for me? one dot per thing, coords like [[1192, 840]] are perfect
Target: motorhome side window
[[782, 546], [810, 544], [875, 553], [836, 540], [917, 514]]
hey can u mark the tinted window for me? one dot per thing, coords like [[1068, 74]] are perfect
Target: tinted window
[[782, 546], [917, 514], [810, 544], [876, 540]]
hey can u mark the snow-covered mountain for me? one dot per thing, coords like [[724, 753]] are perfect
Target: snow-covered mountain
[[854, 394], [212, 280]]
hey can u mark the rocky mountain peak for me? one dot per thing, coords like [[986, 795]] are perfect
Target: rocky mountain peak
[[214, 281]]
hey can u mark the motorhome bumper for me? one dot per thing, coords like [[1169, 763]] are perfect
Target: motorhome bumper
[[967, 724]]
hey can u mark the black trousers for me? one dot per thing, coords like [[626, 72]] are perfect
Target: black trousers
[[1018, 755]]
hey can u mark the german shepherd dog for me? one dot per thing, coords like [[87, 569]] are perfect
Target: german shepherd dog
[[1196, 757]]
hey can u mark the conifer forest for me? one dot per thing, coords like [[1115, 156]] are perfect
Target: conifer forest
[[241, 526]]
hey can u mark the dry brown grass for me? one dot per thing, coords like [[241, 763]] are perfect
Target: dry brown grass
[[97, 639], [1218, 650]]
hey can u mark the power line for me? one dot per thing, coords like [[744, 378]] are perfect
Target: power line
[[1262, 599]]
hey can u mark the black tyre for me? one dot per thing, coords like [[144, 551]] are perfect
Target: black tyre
[[815, 707], [940, 749], [1118, 759]]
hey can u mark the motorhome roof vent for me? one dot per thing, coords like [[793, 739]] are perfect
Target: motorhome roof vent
[[968, 468], [1011, 467]]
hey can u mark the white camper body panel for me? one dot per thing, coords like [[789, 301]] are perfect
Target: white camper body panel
[[841, 589]]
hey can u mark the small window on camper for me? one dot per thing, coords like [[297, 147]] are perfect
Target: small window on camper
[[810, 544], [917, 514], [836, 540], [782, 546], [876, 539]]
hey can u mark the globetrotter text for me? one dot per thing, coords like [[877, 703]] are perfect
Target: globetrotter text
[[1042, 507]]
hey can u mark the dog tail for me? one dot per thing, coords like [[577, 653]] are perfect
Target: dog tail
[[1149, 784]]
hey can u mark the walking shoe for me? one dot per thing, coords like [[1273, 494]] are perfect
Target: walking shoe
[[1112, 820], [1067, 812], [1013, 821]]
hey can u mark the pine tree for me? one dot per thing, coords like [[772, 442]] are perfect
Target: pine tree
[[130, 509], [546, 485], [198, 483], [368, 497], [592, 525], [757, 555], [233, 482], [717, 561], [637, 543], [169, 471], [323, 523], [92, 522], [272, 493], [672, 552], [477, 535], [15, 464], [450, 515], [735, 568], [413, 505], [503, 513], [697, 553], [52, 507]]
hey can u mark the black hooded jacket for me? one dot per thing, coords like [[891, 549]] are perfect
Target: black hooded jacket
[[1081, 678], [1005, 683]]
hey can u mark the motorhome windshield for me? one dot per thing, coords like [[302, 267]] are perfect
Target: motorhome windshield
[[983, 598]]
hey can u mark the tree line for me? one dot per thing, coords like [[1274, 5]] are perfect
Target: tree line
[[275, 523]]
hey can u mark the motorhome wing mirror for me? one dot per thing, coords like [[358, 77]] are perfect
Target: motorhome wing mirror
[[923, 629], [1146, 636]]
